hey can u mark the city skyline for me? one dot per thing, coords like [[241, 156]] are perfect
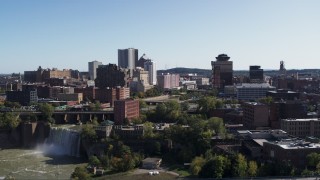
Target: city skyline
[[69, 34]]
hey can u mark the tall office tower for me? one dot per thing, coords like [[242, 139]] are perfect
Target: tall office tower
[[256, 74], [127, 58], [150, 66], [92, 69], [222, 71]]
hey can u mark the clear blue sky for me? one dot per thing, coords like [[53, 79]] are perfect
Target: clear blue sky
[[67, 34]]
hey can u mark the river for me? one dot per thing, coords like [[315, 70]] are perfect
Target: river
[[34, 164]]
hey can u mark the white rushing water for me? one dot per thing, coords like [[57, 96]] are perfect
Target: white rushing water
[[54, 159], [62, 141]]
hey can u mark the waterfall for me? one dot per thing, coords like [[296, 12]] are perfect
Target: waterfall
[[62, 141]]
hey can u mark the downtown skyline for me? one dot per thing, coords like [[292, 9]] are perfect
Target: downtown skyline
[[69, 34]]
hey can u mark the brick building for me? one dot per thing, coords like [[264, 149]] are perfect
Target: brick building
[[301, 127], [290, 150], [126, 108], [284, 110], [255, 115]]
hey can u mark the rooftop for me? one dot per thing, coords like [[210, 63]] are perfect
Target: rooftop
[[295, 143], [255, 85], [302, 120]]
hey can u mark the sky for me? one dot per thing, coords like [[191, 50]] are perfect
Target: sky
[[67, 34]]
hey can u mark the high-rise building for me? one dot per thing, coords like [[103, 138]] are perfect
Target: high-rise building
[[128, 58], [150, 66], [256, 74], [92, 69], [222, 71]]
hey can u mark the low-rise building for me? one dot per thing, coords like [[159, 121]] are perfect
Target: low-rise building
[[293, 150], [70, 97], [125, 109], [253, 91], [301, 127]]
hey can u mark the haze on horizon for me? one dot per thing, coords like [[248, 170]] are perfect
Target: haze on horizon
[[174, 33]]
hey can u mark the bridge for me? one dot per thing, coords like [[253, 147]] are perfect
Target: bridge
[[62, 117]]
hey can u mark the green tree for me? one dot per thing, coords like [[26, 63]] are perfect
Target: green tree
[[89, 133], [142, 104], [13, 105], [94, 161], [214, 168], [9, 120], [207, 104], [197, 164], [105, 161], [173, 110], [217, 125], [32, 117], [313, 159], [267, 100], [306, 173], [123, 164], [240, 166], [252, 169], [148, 130], [185, 106], [80, 173], [47, 112]]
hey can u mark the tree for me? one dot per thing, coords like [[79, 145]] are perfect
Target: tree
[[173, 110], [12, 104], [185, 106], [142, 104], [123, 164], [240, 166], [89, 133], [217, 125], [252, 169], [32, 117], [215, 167], [267, 100], [94, 161], [207, 104], [105, 161], [153, 148], [80, 173], [148, 130], [197, 164], [313, 159], [306, 173], [9, 120], [47, 112], [153, 92]]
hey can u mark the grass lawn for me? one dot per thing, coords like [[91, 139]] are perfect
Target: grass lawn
[[181, 170], [145, 176]]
